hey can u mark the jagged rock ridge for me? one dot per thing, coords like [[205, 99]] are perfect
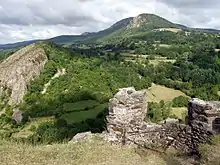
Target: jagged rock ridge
[[17, 71]]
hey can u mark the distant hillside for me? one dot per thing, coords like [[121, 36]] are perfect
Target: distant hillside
[[121, 29], [17, 45], [91, 37]]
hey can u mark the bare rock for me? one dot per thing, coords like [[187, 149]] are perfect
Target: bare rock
[[169, 121], [82, 136], [17, 115], [21, 67]]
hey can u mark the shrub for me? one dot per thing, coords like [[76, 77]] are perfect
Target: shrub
[[158, 111], [180, 101]]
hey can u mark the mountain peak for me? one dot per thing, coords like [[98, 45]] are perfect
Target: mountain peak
[[150, 20], [122, 23], [139, 20]]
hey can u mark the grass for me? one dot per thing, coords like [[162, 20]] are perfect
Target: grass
[[90, 152], [211, 153], [76, 117], [156, 93], [179, 112], [95, 151], [26, 132], [158, 61], [80, 105]]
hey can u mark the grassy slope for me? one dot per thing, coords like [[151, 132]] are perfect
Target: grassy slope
[[93, 152], [156, 93], [179, 112], [97, 152], [82, 115], [26, 131]]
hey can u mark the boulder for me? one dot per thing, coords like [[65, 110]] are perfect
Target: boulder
[[82, 136], [17, 115]]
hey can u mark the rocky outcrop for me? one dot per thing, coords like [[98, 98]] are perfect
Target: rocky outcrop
[[139, 21], [18, 69], [17, 115]]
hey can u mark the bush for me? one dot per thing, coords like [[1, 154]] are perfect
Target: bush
[[158, 111], [48, 133], [180, 101]]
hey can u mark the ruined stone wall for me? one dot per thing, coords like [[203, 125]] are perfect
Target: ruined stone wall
[[126, 109], [204, 114], [126, 123]]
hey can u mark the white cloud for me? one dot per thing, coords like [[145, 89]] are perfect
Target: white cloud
[[40, 19]]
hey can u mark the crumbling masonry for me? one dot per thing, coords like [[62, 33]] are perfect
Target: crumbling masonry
[[126, 123]]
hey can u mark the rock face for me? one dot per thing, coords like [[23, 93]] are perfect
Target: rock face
[[139, 20], [126, 123], [126, 109], [17, 70]]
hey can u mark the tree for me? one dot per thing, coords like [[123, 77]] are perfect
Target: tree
[[180, 101], [117, 56]]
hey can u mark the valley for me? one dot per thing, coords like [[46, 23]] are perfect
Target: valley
[[52, 90]]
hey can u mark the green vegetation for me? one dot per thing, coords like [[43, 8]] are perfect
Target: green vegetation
[[172, 64], [157, 93], [180, 101], [80, 105], [94, 151], [179, 113], [94, 73], [78, 99], [210, 152], [5, 53], [80, 116], [159, 111]]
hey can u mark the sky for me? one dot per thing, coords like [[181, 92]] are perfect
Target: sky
[[22, 20]]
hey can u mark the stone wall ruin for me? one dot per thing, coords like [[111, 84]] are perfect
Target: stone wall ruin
[[126, 124]]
